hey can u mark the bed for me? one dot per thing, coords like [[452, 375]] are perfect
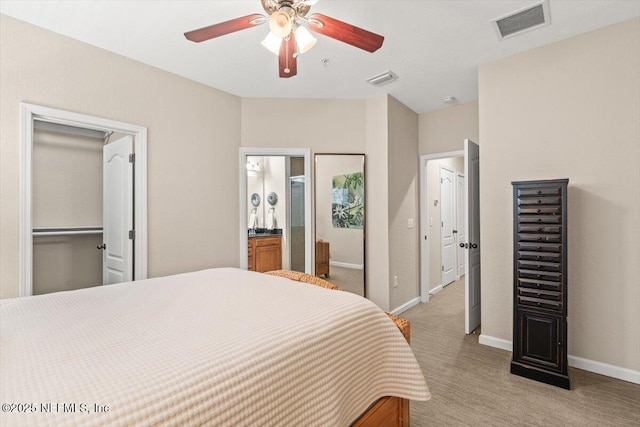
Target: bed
[[216, 347]]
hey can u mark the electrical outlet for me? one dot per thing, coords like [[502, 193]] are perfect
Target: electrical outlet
[[395, 281]]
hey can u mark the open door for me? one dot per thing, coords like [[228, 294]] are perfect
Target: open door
[[472, 248], [117, 208]]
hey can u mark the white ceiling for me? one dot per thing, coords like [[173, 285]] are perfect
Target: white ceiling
[[435, 47]]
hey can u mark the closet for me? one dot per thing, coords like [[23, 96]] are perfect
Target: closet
[[80, 207]]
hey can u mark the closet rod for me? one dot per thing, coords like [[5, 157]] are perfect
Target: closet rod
[[65, 231]]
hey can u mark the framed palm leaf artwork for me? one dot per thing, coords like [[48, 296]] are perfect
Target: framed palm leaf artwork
[[347, 208]]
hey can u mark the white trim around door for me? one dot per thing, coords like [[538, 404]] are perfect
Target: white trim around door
[[308, 191], [424, 221], [30, 113]]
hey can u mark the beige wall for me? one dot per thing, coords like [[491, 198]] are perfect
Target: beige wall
[[346, 245], [377, 233], [433, 214], [445, 129], [194, 135], [569, 110], [403, 203]]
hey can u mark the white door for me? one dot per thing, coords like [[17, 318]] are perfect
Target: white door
[[461, 207], [472, 269], [117, 265], [447, 235]]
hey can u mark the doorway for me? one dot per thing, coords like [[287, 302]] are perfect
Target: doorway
[[81, 236], [462, 169], [275, 205]]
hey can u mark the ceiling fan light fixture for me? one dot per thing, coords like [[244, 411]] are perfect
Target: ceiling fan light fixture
[[304, 39], [272, 43], [280, 24]]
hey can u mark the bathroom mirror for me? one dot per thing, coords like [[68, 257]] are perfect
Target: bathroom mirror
[[340, 218]]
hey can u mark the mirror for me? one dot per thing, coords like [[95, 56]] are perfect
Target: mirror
[[275, 213], [340, 220]]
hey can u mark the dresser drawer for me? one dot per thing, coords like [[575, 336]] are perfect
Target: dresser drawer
[[539, 247], [539, 265], [534, 228], [540, 294], [267, 241], [524, 210], [539, 219], [540, 284], [538, 274], [548, 238], [539, 201], [540, 303], [542, 191], [540, 256]]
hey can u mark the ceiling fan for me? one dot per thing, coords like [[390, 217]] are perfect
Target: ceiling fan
[[289, 37]]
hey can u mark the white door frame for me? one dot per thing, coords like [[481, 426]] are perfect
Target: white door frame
[[308, 231], [31, 112], [424, 223]]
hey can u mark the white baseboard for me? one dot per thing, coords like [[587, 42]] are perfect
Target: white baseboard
[[436, 290], [406, 306], [346, 265], [574, 361], [495, 342]]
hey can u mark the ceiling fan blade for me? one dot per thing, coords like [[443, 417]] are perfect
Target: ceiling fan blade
[[287, 63], [346, 33], [217, 30]]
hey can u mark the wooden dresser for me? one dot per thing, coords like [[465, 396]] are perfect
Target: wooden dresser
[[265, 253], [322, 259], [540, 281]]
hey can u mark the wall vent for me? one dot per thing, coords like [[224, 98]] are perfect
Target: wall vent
[[522, 20], [383, 78]]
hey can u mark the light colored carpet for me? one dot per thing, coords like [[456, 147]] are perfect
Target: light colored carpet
[[471, 384], [349, 279]]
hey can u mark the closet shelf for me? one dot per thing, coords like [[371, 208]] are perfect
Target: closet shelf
[[65, 231]]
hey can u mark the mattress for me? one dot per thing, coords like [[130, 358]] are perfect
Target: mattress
[[221, 347]]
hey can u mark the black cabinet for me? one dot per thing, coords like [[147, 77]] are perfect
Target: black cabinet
[[540, 281]]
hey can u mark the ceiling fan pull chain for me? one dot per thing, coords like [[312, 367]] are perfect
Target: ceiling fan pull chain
[[286, 54]]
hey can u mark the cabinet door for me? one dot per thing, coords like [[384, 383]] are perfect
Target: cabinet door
[[541, 340], [268, 258]]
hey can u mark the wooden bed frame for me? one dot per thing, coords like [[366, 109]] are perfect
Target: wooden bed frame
[[388, 411]]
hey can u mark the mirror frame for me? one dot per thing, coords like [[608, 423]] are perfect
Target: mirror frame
[[364, 222]]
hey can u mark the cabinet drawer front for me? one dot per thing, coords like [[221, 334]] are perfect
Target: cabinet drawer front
[[541, 340], [541, 191], [267, 241], [550, 238], [540, 256], [539, 265], [545, 285], [540, 294], [539, 201], [539, 219], [540, 303], [536, 274], [533, 228], [539, 247], [524, 210]]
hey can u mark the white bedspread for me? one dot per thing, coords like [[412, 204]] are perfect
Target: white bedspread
[[219, 347]]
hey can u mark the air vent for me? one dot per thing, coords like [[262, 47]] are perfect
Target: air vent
[[526, 19], [382, 79]]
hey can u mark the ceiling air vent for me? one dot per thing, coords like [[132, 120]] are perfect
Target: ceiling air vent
[[382, 79], [528, 18]]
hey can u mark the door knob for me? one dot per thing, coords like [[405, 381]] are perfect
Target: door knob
[[473, 245], [102, 246]]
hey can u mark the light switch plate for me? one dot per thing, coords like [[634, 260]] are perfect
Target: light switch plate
[[410, 223]]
